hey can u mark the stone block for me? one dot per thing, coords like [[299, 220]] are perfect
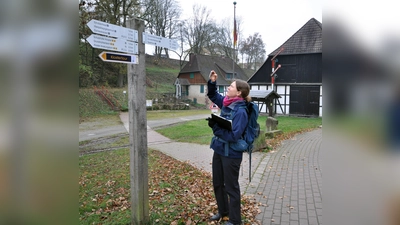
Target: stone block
[[271, 124]]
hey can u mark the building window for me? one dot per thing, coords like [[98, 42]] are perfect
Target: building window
[[229, 76], [221, 89], [202, 88], [191, 75]]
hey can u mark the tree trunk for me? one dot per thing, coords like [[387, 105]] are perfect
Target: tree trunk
[[166, 53]]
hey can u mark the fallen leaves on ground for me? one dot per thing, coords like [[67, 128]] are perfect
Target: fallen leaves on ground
[[194, 201], [178, 193]]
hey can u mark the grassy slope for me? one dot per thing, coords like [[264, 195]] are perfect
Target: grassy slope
[[160, 76]]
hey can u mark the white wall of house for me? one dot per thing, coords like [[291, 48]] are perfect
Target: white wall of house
[[284, 92], [260, 87], [194, 92]]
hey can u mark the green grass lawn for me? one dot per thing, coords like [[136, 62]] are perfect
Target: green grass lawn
[[197, 131], [164, 114], [293, 124]]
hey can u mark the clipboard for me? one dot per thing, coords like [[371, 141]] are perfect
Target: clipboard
[[222, 122]]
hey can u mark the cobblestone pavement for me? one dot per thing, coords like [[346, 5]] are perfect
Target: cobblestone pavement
[[290, 182]]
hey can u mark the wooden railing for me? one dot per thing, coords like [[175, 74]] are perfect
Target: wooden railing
[[108, 97]]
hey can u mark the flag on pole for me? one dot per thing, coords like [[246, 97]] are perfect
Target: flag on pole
[[234, 34]]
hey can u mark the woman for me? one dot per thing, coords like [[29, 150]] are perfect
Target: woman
[[226, 161]]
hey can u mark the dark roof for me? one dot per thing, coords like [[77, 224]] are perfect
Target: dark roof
[[220, 64], [308, 39], [263, 94]]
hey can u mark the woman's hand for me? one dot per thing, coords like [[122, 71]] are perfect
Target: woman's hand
[[213, 76]]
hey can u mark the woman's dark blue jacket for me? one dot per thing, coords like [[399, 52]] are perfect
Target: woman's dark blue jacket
[[239, 122]]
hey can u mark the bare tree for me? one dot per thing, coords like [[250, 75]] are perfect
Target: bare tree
[[182, 54], [212, 46], [253, 47], [224, 37], [116, 11], [222, 40], [199, 29], [161, 18]]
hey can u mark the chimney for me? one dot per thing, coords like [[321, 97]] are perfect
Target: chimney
[[191, 57]]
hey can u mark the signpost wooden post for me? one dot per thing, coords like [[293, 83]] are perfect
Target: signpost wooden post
[[138, 132]]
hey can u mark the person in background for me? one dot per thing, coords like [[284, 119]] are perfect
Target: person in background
[[226, 161]]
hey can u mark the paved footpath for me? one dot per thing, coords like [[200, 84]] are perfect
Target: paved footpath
[[287, 182], [290, 187]]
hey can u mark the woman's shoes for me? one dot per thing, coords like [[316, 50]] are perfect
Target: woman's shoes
[[216, 217]]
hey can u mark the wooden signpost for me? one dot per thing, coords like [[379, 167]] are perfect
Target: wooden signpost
[[121, 39], [138, 132]]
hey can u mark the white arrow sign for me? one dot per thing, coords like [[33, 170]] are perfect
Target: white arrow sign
[[159, 41], [100, 27], [120, 45]]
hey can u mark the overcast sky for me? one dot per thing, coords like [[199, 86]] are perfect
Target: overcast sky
[[276, 21]]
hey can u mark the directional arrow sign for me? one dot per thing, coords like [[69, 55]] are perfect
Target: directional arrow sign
[[108, 29], [118, 57], [159, 41], [107, 43]]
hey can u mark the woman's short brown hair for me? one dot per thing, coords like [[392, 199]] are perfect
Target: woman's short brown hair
[[244, 88]]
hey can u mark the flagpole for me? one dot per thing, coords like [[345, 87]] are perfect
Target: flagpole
[[234, 38]]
